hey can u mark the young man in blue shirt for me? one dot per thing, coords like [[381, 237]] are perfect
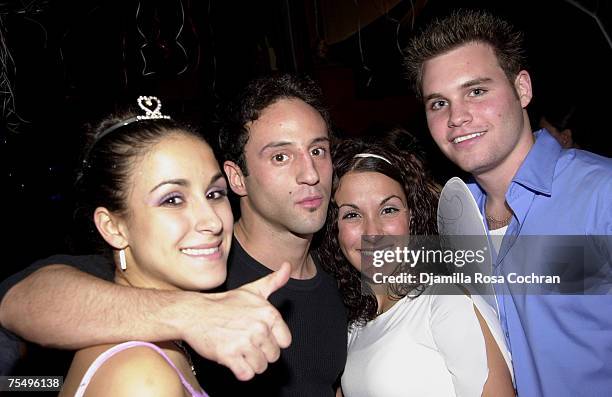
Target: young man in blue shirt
[[469, 70]]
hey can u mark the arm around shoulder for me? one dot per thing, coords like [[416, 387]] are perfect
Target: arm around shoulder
[[31, 293], [37, 305], [62, 307]]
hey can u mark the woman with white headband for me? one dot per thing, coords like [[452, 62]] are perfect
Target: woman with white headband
[[405, 339]]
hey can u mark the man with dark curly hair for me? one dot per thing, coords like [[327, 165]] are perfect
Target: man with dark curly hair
[[469, 70], [275, 139]]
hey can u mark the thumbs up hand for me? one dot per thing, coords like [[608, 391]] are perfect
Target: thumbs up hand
[[265, 286], [239, 328]]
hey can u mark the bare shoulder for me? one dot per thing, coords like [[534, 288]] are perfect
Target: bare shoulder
[[137, 371]]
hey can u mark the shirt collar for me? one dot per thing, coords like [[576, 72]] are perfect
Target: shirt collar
[[538, 169]]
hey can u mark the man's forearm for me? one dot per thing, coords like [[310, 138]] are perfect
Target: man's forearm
[[62, 307]]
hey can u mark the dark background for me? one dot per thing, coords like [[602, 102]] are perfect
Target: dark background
[[65, 63]]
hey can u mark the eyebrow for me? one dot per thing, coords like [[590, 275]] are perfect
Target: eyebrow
[[467, 84], [274, 145], [216, 177], [320, 139], [390, 197], [184, 182], [277, 144], [348, 205], [381, 203], [180, 182], [474, 82]]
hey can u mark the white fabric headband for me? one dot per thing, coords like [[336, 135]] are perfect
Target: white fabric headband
[[365, 155]]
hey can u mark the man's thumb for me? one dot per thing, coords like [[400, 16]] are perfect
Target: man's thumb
[[265, 286]]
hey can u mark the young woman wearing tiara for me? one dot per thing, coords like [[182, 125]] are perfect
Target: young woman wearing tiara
[[158, 201], [410, 339]]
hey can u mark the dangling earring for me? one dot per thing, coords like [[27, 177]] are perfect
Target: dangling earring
[[122, 261]]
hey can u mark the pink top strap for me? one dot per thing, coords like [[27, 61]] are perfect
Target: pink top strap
[[123, 346]]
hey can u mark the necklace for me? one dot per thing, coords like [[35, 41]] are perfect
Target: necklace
[[182, 348], [495, 223], [382, 309]]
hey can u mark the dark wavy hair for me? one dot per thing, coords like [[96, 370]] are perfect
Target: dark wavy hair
[[107, 163], [408, 169], [233, 117], [461, 27]]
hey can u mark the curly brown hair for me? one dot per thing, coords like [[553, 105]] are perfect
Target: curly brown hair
[[407, 168]]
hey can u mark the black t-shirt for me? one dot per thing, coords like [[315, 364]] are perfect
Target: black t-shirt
[[316, 317]]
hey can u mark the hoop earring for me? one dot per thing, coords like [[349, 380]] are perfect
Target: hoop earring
[[122, 261]]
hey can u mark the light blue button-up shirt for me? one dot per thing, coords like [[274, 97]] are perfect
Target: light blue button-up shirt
[[561, 343]]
